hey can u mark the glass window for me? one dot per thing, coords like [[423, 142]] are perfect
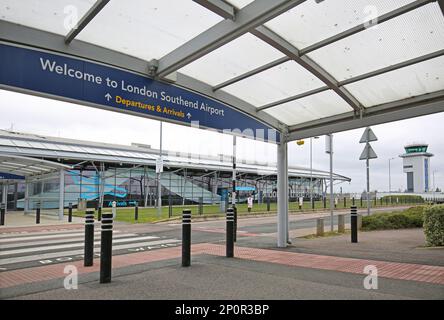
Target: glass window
[[313, 21], [310, 108], [408, 36], [148, 29], [417, 79], [231, 60], [275, 84], [56, 16]]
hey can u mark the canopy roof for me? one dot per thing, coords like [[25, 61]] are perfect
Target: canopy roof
[[27, 166], [304, 67]]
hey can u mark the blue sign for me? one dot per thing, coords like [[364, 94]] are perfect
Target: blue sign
[[9, 176], [115, 89], [245, 188]]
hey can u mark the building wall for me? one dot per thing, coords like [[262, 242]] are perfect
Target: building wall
[[416, 164]]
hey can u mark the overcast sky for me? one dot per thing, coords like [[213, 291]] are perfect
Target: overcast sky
[[25, 113]]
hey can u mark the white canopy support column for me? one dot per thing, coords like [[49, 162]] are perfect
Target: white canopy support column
[[282, 194], [61, 193]]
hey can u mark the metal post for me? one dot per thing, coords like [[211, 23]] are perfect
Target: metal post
[[230, 233], [186, 238], [345, 202], [106, 247], [61, 194], [170, 206], [200, 205], [2, 214], [353, 201], [70, 212], [368, 186], [5, 196], [354, 224], [282, 199], [99, 214], [159, 184], [89, 238], [325, 202], [37, 214], [331, 180], [136, 212], [233, 198], [311, 172], [268, 203]]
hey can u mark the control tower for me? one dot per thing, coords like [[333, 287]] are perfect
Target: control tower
[[416, 164]]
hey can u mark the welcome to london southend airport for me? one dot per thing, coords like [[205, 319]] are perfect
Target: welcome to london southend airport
[[65, 70]]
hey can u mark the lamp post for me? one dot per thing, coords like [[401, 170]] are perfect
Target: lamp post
[[311, 169], [390, 178]]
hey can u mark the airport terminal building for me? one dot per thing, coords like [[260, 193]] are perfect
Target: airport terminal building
[[101, 173]]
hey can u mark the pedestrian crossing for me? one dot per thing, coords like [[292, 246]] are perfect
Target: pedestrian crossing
[[42, 248]]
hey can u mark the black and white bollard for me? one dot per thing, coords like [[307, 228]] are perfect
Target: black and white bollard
[[136, 212], [230, 233], [354, 224], [2, 214], [106, 247], [235, 225], [186, 238], [89, 239], [70, 212], [37, 214]]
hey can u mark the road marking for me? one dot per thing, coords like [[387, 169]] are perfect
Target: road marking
[[67, 240], [77, 252], [70, 245], [49, 236]]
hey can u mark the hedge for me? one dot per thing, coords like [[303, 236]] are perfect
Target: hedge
[[409, 218], [404, 199], [434, 225]]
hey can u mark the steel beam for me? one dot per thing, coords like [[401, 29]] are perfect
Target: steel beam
[[291, 51], [398, 110], [255, 14], [325, 42], [89, 15], [22, 35], [219, 7]]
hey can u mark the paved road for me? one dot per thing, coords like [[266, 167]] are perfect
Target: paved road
[[30, 249]]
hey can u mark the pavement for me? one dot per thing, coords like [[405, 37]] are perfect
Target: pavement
[[147, 263]]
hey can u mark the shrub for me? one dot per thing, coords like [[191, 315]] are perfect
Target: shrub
[[434, 225], [409, 218], [403, 199]]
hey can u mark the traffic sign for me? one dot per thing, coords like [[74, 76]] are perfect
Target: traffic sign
[[77, 80], [159, 165], [368, 153], [368, 136]]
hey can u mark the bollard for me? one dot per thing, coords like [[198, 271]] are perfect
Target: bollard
[[345, 202], [319, 227], [359, 221], [136, 212], [361, 202], [268, 203], [235, 225], [37, 214], [381, 202], [2, 214], [312, 204], [354, 224], [200, 206], [325, 202], [375, 201], [106, 247], [186, 238], [99, 214], [353, 201], [341, 223], [230, 233], [70, 212], [89, 239]]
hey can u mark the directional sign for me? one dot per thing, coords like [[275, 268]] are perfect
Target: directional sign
[[368, 153], [368, 136], [102, 86]]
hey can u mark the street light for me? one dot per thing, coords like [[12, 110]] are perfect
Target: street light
[[311, 170], [390, 181]]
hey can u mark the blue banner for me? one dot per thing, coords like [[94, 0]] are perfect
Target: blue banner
[[115, 89]]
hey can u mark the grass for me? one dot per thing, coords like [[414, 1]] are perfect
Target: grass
[[151, 215], [326, 234]]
